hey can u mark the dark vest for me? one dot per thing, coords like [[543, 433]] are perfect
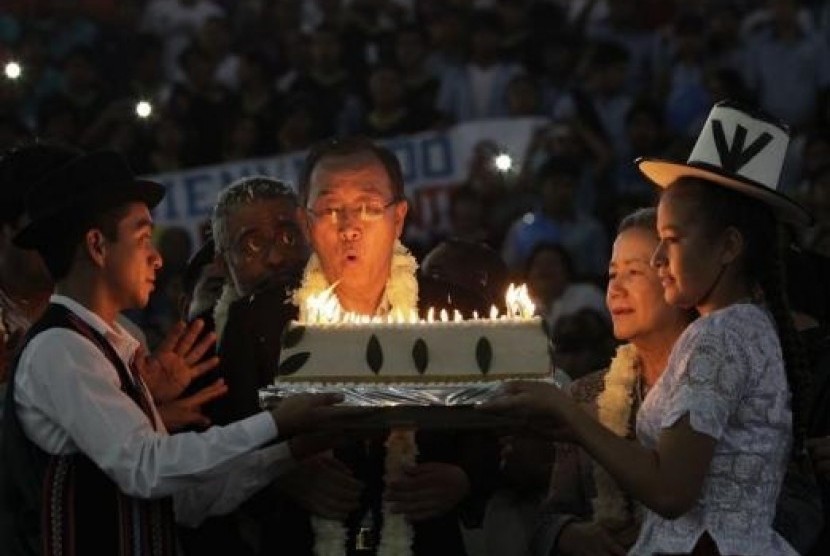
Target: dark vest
[[65, 504]]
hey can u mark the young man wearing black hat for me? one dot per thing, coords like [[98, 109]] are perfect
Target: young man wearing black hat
[[25, 285], [87, 464]]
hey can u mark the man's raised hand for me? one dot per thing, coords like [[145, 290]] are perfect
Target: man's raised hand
[[184, 412], [177, 361]]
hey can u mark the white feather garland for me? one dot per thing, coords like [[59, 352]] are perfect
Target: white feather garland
[[611, 506], [400, 295]]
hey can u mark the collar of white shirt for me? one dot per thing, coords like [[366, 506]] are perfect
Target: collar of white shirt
[[121, 340]]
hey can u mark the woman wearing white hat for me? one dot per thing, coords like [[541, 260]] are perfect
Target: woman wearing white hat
[[718, 428]]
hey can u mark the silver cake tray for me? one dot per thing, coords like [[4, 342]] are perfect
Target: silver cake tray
[[432, 406]]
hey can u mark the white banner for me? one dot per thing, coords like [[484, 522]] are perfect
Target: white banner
[[432, 163]]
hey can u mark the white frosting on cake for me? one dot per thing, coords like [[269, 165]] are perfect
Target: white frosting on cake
[[415, 353]]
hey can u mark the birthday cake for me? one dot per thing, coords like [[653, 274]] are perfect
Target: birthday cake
[[427, 372], [420, 352]]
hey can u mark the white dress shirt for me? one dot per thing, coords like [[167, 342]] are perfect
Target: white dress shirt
[[68, 399]]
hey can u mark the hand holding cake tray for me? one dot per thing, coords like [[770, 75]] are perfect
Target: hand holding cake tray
[[424, 372]]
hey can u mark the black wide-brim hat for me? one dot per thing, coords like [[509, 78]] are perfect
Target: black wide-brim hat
[[79, 190], [738, 148]]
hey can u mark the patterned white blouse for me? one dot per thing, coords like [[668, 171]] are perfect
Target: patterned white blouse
[[727, 373]]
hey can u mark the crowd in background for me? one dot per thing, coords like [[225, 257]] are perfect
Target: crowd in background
[[615, 79]]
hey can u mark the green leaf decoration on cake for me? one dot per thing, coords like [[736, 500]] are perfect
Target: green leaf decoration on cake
[[420, 355], [292, 364], [484, 355], [292, 336], [374, 354]]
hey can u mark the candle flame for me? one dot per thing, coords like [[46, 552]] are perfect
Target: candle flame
[[519, 304], [323, 307]]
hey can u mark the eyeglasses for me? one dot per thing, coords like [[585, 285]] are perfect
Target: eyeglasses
[[366, 211], [257, 244]]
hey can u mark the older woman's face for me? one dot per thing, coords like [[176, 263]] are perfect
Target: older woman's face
[[635, 295]]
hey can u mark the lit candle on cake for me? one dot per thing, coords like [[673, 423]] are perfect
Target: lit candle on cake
[[528, 308], [518, 302], [324, 308], [511, 301]]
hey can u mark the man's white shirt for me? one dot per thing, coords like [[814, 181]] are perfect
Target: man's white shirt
[[68, 399]]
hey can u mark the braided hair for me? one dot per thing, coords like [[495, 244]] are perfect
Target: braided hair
[[763, 268], [773, 281]]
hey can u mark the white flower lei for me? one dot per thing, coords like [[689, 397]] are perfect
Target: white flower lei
[[401, 452], [222, 308], [400, 294], [611, 508]]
